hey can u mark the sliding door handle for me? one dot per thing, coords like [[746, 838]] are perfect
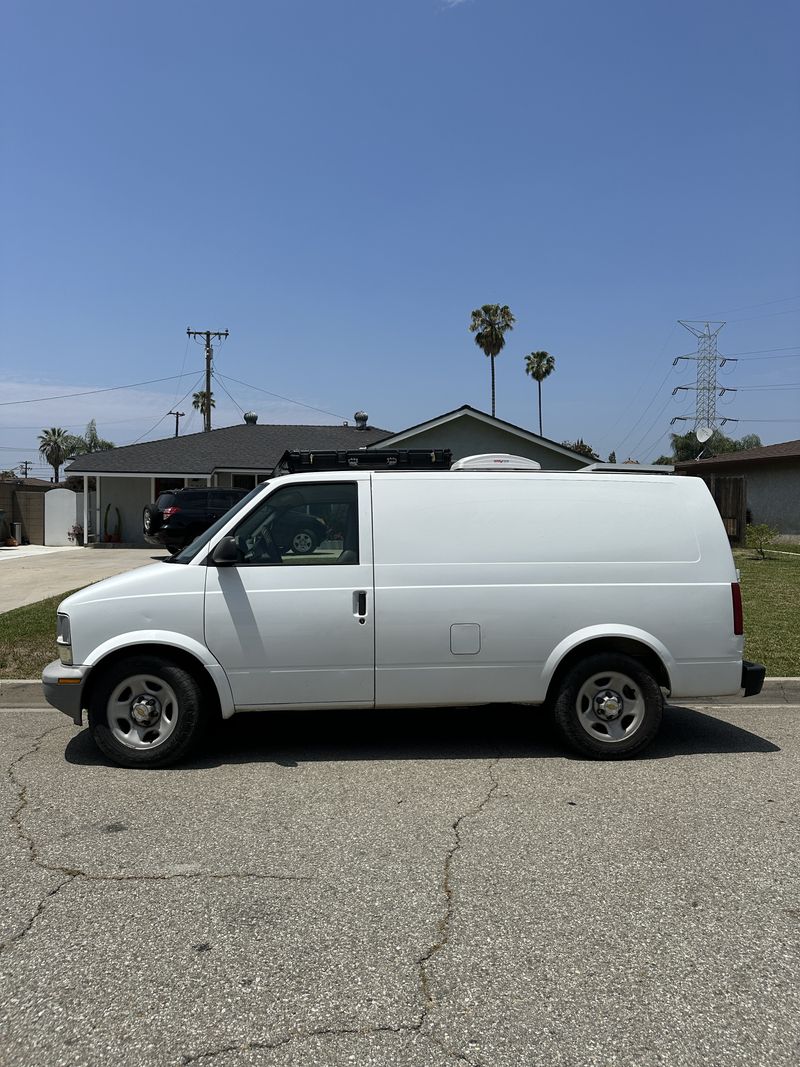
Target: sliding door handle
[[360, 605]]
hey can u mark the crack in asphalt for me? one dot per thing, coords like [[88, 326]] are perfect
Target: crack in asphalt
[[443, 931], [443, 936], [26, 929], [72, 873], [422, 963], [326, 1031]]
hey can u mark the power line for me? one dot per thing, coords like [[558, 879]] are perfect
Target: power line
[[769, 315], [644, 412], [767, 303], [288, 399], [91, 392], [217, 378], [758, 359], [167, 413], [755, 351], [786, 385]]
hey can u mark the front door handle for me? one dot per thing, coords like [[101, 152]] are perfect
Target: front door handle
[[360, 605]]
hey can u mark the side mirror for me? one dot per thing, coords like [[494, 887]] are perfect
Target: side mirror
[[226, 553]]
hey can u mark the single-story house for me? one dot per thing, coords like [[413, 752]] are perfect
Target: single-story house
[[131, 476], [770, 477], [467, 431]]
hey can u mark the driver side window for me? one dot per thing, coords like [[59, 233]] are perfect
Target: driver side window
[[302, 525]]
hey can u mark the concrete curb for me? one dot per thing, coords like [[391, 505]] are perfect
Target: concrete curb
[[25, 693]]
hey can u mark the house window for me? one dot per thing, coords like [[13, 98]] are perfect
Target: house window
[[243, 481]]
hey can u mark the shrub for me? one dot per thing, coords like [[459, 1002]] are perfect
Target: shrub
[[760, 537]]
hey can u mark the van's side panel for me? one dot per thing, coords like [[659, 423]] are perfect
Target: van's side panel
[[526, 562]]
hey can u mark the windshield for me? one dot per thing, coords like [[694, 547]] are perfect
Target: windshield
[[191, 550]]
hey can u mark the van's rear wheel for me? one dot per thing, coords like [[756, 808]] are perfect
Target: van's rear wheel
[[146, 712], [609, 707]]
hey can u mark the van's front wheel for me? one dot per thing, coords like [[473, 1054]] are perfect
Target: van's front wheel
[[609, 707], [146, 712]]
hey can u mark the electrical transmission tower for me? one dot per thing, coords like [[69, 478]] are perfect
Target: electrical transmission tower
[[705, 387], [207, 334]]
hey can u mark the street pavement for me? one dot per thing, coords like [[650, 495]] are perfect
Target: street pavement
[[408, 888], [27, 576]]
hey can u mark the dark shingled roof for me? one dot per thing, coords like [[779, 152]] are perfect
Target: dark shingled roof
[[784, 450], [240, 447]]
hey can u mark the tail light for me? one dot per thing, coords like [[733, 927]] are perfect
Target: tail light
[[170, 511], [738, 618]]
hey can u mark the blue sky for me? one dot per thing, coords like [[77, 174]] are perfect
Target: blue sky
[[340, 183]]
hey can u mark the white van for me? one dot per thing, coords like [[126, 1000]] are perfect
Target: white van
[[589, 592]]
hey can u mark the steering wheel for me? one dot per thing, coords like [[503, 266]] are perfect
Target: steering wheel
[[264, 550]]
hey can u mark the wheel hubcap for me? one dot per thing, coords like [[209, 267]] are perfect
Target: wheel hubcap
[[142, 711], [145, 710], [610, 707]]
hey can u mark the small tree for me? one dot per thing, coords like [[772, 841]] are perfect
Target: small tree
[[760, 536], [612, 457], [581, 446]]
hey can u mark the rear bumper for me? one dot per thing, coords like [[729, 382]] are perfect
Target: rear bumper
[[753, 675], [64, 688]]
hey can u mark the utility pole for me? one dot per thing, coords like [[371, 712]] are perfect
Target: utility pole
[[208, 334], [24, 466], [178, 415]]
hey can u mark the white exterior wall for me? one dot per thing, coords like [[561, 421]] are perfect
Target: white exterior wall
[[130, 495], [59, 516]]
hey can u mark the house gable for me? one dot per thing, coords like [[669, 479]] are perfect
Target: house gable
[[468, 431]]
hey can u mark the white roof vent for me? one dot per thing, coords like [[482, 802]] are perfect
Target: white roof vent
[[496, 461]]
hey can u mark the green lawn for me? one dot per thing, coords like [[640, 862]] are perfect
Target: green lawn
[[770, 591], [28, 638], [771, 598]]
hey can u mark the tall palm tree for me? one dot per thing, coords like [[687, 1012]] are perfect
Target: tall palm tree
[[490, 323], [55, 445], [539, 365], [202, 401]]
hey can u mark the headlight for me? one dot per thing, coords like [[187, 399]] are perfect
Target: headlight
[[64, 639]]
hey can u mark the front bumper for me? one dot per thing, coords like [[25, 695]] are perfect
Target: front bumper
[[753, 675], [64, 688]]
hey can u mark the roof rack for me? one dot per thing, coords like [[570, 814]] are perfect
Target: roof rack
[[627, 468], [408, 459]]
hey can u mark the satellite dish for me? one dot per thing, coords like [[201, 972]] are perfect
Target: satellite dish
[[702, 433]]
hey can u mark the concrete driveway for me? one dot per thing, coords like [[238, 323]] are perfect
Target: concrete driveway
[[27, 576], [414, 889]]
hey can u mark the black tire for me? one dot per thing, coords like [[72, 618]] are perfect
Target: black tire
[[153, 684], [147, 519], [304, 542], [586, 707]]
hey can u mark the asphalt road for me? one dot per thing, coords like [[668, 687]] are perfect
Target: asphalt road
[[445, 887]]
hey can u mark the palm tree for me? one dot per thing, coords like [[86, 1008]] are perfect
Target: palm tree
[[55, 446], [539, 365], [202, 401], [490, 324]]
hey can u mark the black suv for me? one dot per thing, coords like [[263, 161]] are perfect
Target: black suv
[[179, 515]]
